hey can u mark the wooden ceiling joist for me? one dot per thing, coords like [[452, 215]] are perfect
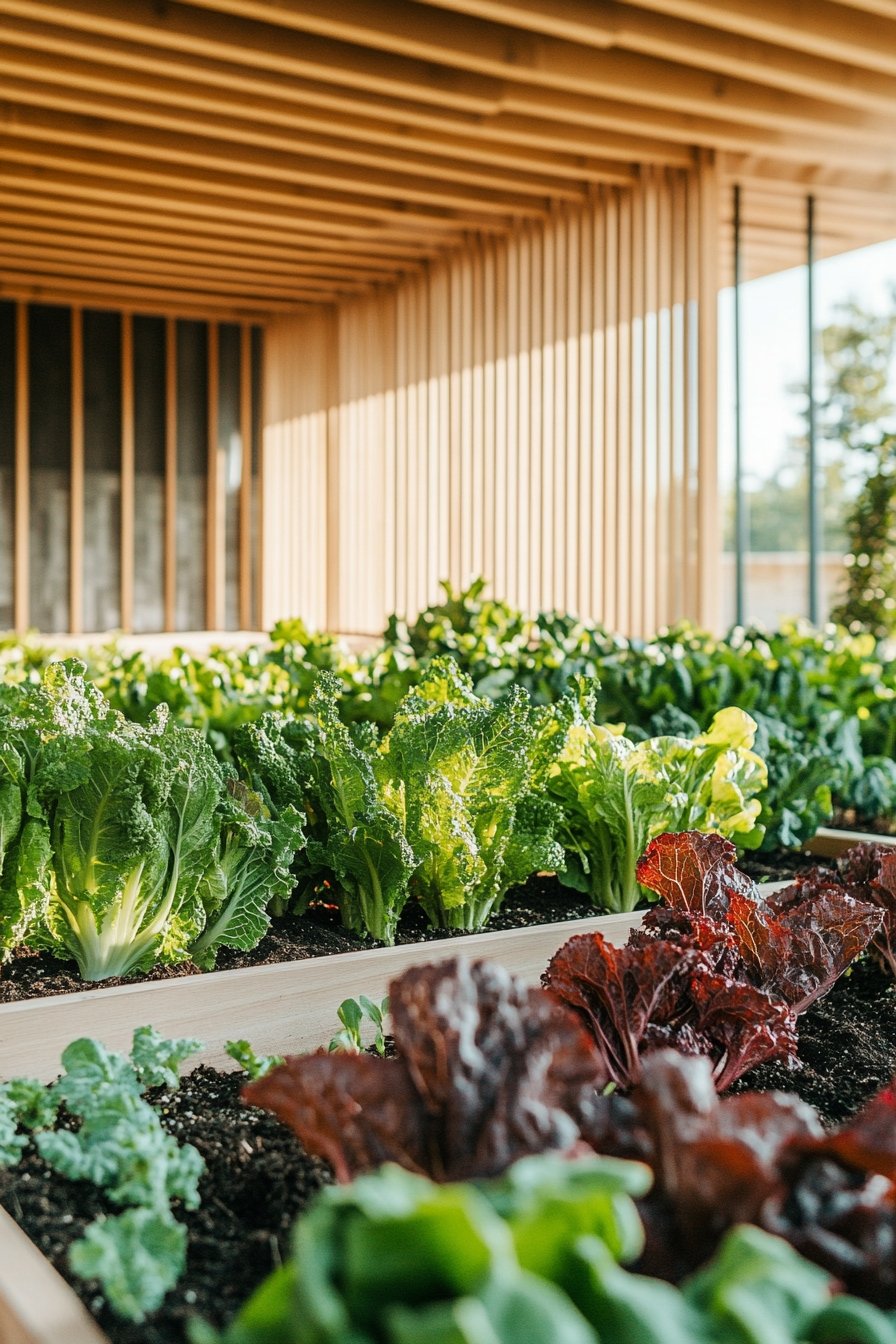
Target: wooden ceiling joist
[[262, 155]]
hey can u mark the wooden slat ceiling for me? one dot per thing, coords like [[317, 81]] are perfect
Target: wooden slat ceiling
[[247, 157]]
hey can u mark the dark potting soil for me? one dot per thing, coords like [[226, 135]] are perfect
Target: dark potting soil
[[778, 865], [847, 819], [258, 1177], [847, 1046], [317, 933]]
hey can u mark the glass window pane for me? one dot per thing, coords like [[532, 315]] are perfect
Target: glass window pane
[[774, 358], [102, 470], [149, 468], [50, 404], [192, 468], [856, 426], [7, 456], [230, 448]]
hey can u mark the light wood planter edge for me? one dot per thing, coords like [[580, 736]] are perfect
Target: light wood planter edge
[[829, 843]]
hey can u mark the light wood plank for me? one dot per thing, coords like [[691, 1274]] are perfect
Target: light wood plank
[[170, 537], [36, 1304], [21, 501], [127, 472], [289, 1007]]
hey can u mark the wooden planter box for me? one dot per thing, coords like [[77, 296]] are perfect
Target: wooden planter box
[[829, 843], [287, 1008]]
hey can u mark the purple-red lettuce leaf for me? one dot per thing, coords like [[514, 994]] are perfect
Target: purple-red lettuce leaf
[[657, 992], [487, 1070], [798, 949], [694, 873], [742, 1026]]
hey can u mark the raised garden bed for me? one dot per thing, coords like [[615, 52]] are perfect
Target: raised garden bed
[[856, 1021]]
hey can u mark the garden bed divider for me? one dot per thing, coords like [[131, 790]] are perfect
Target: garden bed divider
[[829, 842], [288, 1007], [36, 1304]]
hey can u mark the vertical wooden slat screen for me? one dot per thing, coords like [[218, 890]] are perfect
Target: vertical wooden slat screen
[[539, 409]]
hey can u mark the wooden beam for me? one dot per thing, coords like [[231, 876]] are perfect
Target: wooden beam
[[514, 57], [21, 504], [209, 158], [127, 472], [185, 35], [216, 190], [824, 28], [76, 477], [37, 290], [408, 31], [45, 288], [85, 260], [623, 26], [267, 239], [170, 526], [390, 127], [52, 239], [240, 145]]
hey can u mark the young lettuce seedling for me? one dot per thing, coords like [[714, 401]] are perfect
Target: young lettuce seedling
[[352, 1014], [253, 1065]]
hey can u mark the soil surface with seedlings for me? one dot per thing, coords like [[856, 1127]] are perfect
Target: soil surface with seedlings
[[258, 1177], [317, 933]]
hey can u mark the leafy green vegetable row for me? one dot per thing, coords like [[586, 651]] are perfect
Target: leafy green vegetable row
[[824, 701], [465, 797], [123, 844], [530, 1258]]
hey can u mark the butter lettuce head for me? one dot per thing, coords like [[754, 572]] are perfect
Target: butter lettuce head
[[616, 795]]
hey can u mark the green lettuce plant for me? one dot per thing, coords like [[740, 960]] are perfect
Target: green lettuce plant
[[250, 875], [615, 795], [532, 1258], [462, 775], [356, 842], [133, 824]]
